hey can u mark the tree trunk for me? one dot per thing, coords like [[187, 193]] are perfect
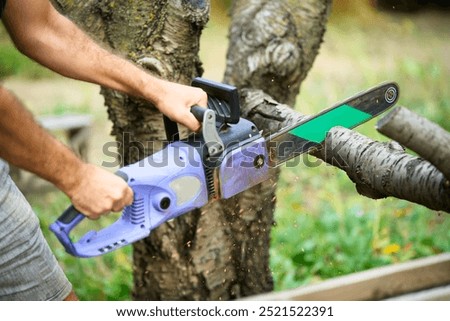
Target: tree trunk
[[222, 251], [272, 47]]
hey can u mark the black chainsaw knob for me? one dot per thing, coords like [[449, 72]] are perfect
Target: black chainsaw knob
[[198, 112]]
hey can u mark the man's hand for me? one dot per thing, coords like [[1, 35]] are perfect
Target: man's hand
[[99, 192], [175, 101]]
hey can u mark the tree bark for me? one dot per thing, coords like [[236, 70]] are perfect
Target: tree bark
[[426, 138]]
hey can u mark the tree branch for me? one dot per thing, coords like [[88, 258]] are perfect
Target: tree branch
[[426, 138], [378, 169]]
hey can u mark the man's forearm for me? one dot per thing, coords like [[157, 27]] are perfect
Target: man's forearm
[[41, 33], [25, 144], [55, 42]]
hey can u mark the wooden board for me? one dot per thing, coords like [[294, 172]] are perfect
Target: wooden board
[[375, 284]]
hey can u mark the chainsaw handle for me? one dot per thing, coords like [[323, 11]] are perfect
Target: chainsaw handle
[[62, 227], [167, 184], [70, 216], [69, 219], [198, 112]]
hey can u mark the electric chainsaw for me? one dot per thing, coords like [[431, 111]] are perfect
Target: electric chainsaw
[[229, 155]]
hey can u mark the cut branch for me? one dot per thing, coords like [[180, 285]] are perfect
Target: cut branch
[[379, 170], [421, 135]]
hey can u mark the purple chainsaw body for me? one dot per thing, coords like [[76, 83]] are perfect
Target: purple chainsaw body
[[218, 163]]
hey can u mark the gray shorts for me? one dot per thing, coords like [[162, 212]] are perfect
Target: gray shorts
[[28, 269]]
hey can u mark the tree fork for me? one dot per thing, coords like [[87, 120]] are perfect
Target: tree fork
[[272, 47]]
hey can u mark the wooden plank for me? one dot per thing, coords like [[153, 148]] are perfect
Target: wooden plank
[[375, 284], [76, 127], [65, 122], [441, 293]]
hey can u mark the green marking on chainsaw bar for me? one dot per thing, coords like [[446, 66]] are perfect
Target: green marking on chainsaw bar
[[317, 128]]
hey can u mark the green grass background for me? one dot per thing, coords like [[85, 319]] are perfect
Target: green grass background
[[324, 229]]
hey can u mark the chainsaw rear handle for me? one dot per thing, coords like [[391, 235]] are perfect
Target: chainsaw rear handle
[[166, 185], [68, 220]]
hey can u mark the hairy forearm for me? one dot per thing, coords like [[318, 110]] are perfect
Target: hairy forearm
[[67, 50], [51, 39], [25, 144], [57, 43]]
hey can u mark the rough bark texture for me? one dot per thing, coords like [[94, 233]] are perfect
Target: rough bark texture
[[426, 138], [273, 44]]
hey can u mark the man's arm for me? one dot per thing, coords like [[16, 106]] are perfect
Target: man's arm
[[25, 144], [44, 35], [49, 38]]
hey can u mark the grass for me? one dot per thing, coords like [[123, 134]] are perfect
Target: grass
[[323, 227]]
